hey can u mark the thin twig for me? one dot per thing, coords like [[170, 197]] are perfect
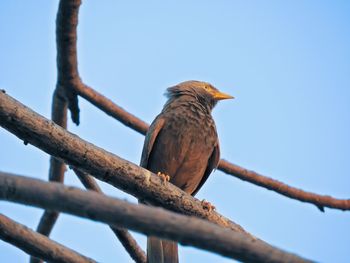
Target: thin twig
[[36, 244], [129, 243], [320, 201], [112, 109], [145, 219]]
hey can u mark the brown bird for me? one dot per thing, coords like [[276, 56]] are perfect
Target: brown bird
[[182, 145]]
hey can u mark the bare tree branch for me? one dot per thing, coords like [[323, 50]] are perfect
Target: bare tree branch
[[67, 69], [140, 126], [112, 109], [68, 76], [320, 201], [57, 167], [88, 181], [36, 244], [69, 80], [46, 224], [65, 95], [145, 219], [69, 85], [51, 138], [129, 243]]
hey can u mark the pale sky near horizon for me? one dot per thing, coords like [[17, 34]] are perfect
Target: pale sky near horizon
[[286, 62]]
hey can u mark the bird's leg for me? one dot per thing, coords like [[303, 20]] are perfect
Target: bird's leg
[[165, 177], [207, 205]]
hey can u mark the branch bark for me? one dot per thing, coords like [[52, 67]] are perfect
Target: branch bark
[[57, 167], [69, 81], [112, 109], [64, 96], [67, 62], [148, 220], [321, 201], [36, 244], [129, 243]]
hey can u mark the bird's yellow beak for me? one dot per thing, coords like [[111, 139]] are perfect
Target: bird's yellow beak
[[222, 96]]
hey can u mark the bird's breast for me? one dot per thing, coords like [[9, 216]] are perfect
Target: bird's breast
[[184, 146]]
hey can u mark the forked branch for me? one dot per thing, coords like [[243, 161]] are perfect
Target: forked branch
[[65, 96]]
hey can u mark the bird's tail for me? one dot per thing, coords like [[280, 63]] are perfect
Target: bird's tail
[[161, 251]]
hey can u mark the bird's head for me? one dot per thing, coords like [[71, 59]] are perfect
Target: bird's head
[[203, 92]]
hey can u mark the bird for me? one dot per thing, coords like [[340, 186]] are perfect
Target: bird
[[182, 146]]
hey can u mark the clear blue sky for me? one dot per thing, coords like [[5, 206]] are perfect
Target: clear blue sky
[[286, 62]]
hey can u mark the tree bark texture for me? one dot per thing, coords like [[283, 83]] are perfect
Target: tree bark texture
[[187, 230], [36, 244], [129, 243]]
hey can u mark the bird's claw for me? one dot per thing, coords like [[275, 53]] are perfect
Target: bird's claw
[[165, 177], [207, 205]]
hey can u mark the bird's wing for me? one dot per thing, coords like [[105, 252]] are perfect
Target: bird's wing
[[212, 164], [151, 136]]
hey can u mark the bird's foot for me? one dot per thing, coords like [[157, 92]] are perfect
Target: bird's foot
[[207, 205], [165, 177]]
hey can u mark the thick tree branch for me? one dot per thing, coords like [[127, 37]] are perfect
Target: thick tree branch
[[148, 220], [123, 235], [36, 244], [51, 138], [140, 126]]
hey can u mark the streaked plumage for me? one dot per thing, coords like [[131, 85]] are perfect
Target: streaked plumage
[[182, 142]]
